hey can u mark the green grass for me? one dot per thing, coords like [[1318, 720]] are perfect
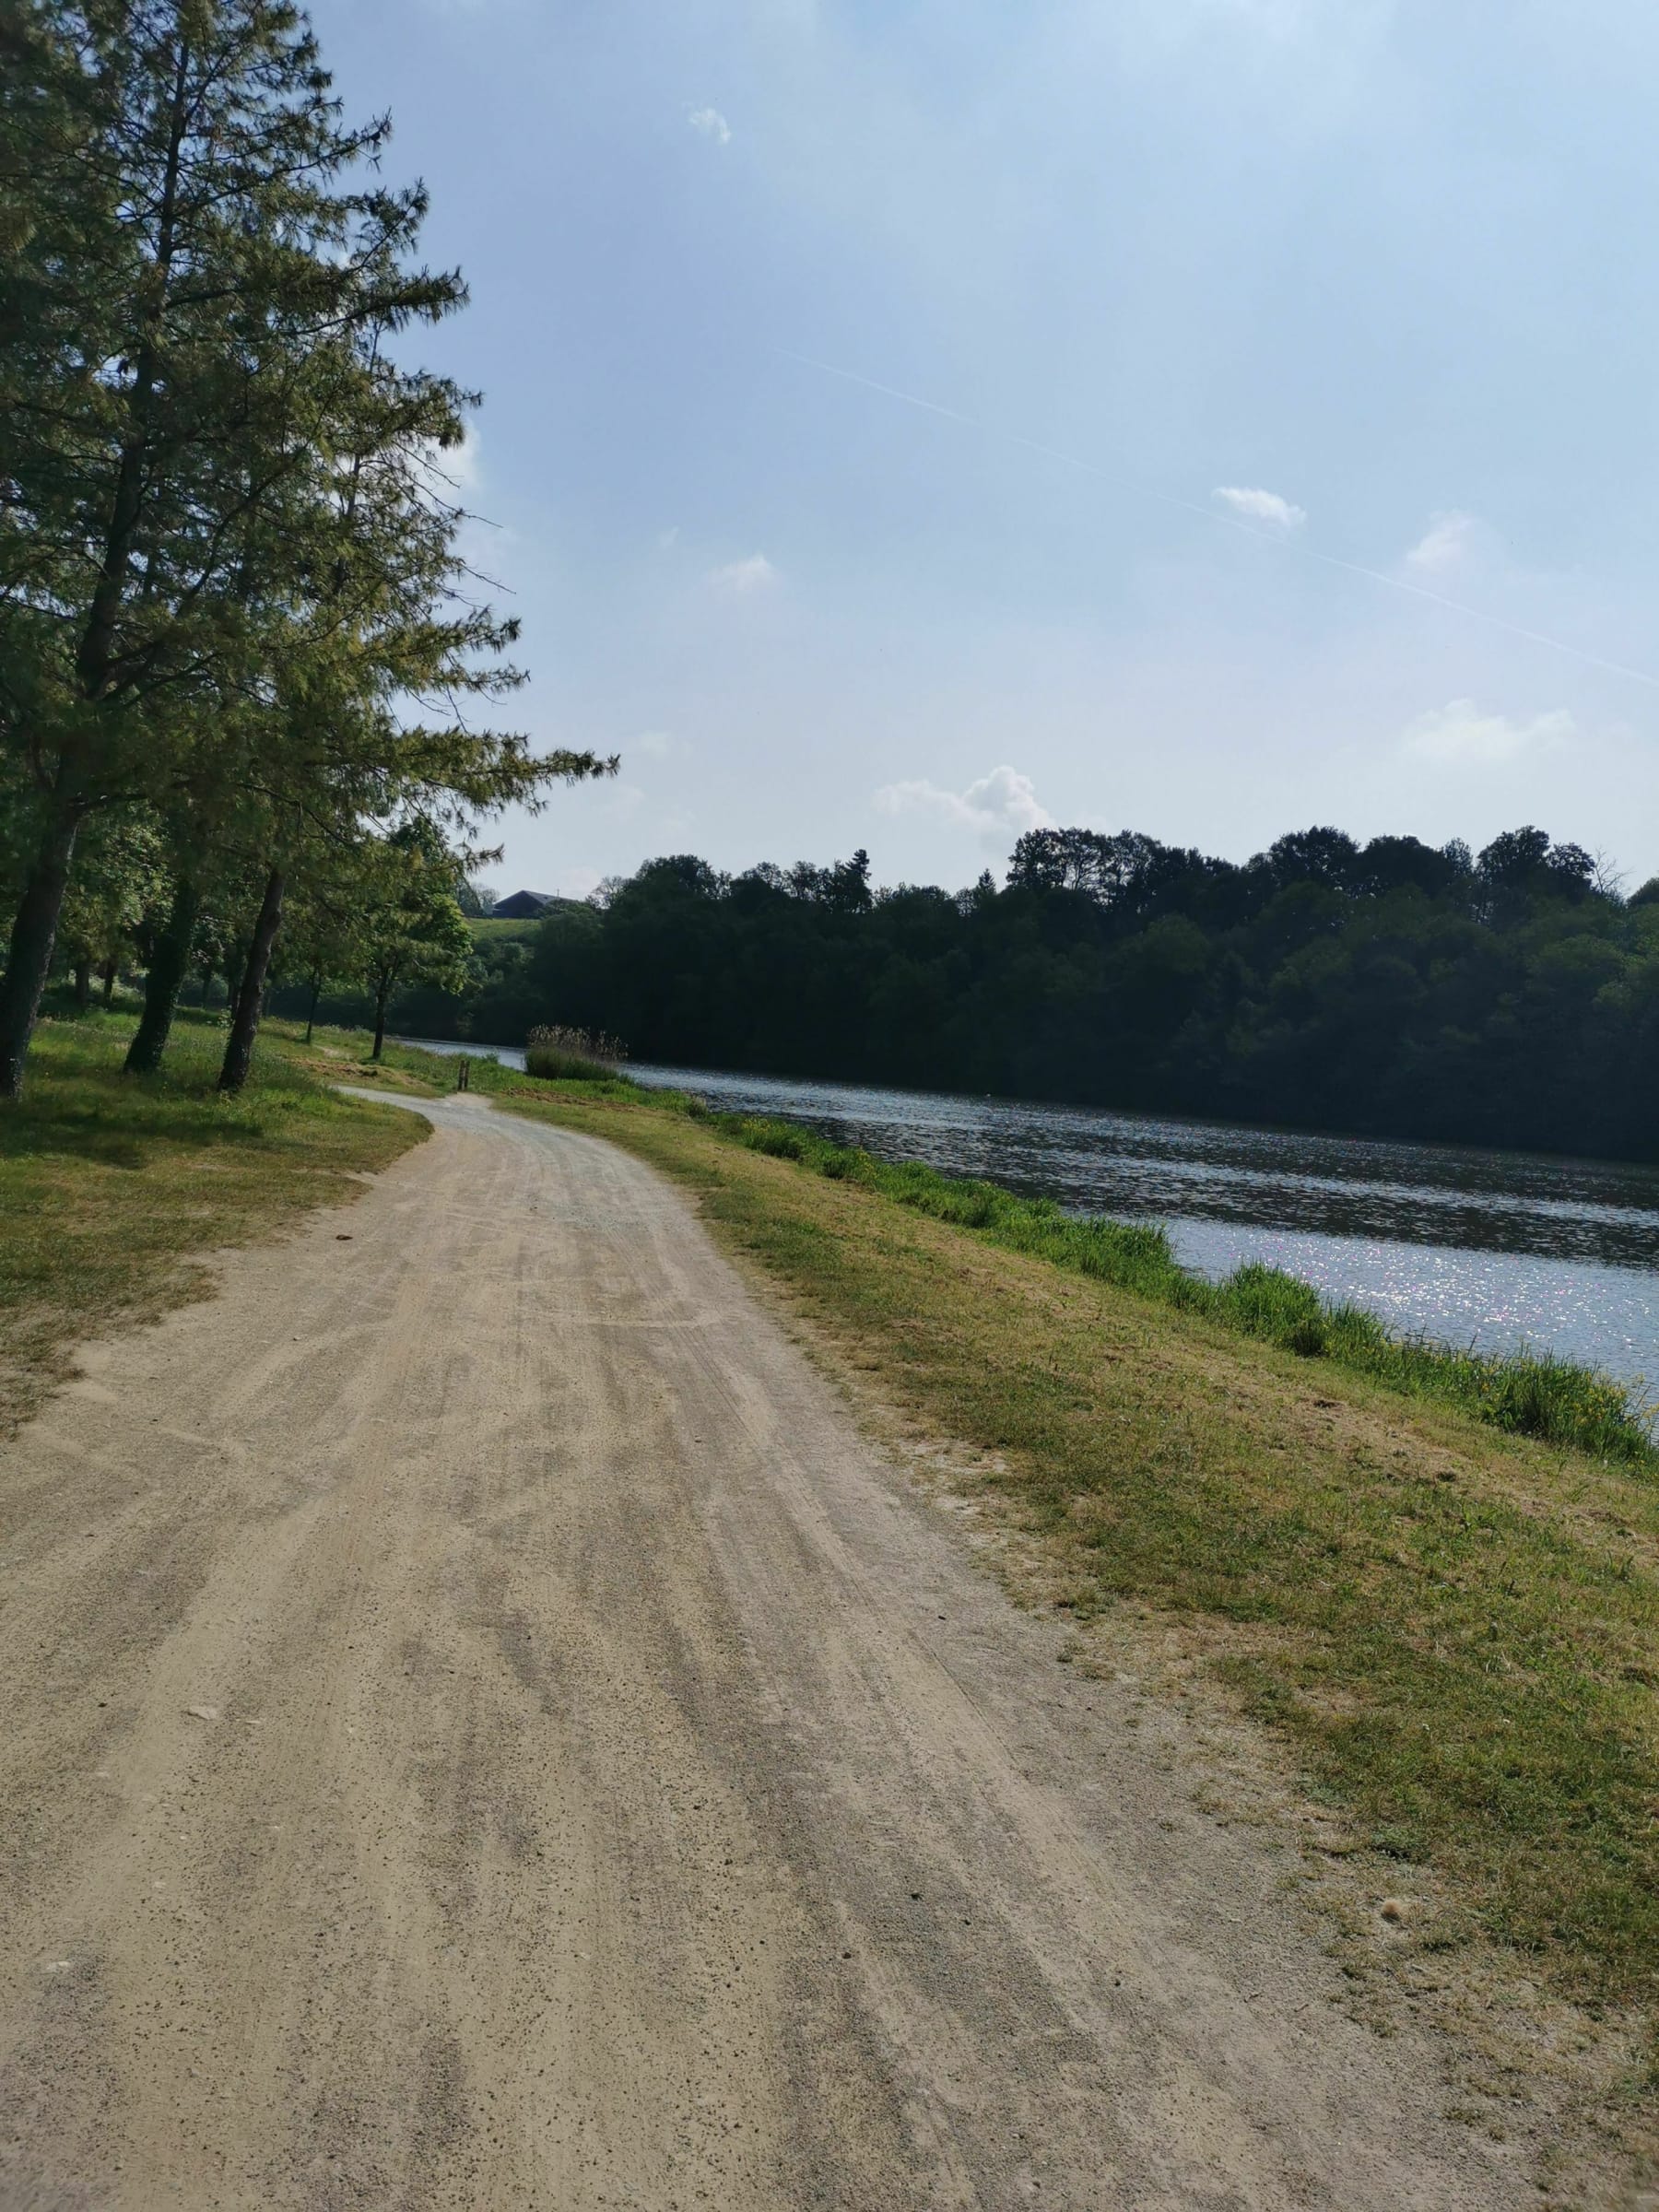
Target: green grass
[[487, 930], [1453, 1624], [110, 1188], [1456, 1627], [553, 1064], [1527, 1394]]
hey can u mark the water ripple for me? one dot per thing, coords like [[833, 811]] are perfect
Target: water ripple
[[1494, 1249]]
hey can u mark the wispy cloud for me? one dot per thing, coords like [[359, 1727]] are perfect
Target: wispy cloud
[[667, 539], [1461, 734], [1258, 506], [657, 744], [451, 472], [1244, 502], [741, 579], [1443, 545], [712, 124], [1000, 806]]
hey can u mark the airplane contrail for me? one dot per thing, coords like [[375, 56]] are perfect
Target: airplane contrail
[[1228, 521]]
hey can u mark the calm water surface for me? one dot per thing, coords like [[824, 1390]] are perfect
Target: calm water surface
[[1494, 1249]]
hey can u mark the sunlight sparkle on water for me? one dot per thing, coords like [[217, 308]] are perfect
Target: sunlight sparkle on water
[[1497, 1250]]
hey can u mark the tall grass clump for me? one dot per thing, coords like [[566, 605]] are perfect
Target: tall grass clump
[[557, 1054], [1527, 1394]]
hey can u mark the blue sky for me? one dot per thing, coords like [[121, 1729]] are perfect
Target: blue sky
[[1245, 315]]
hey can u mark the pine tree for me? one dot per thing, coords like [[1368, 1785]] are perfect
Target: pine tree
[[186, 235], [383, 619], [225, 566]]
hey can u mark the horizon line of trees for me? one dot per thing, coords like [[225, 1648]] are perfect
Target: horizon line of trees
[[241, 650], [1509, 996]]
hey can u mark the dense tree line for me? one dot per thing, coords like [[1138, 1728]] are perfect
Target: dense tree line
[[1508, 997], [240, 655]]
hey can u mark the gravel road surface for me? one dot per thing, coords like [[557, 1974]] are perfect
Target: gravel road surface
[[483, 1729]]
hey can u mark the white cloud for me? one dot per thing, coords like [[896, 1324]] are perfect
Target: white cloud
[[739, 579], [1259, 506], [712, 124], [450, 472], [656, 745], [667, 539], [1000, 806], [1460, 735], [1443, 545]]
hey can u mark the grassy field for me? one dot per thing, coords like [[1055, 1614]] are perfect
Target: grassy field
[[487, 930], [1456, 1629], [110, 1188]]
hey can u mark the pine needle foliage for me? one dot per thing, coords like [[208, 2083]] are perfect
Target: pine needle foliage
[[225, 565]]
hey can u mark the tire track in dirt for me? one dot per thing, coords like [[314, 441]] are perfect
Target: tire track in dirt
[[485, 1730]]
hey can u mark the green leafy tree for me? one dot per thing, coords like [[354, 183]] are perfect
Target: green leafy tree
[[228, 583], [186, 235], [118, 878], [387, 623], [1388, 988], [413, 929], [204, 921], [322, 930]]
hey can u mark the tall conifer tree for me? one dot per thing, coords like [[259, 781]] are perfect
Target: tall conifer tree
[[200, 272]]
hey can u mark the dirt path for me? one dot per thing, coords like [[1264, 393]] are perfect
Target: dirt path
[[482, 1729]]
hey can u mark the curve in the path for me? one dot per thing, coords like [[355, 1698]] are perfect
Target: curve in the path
[[484, 1731]]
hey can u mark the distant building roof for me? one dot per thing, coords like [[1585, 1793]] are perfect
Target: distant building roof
[[522, 906]]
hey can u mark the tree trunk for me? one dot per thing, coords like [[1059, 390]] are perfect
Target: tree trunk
[[310, 1012], [109, 982], [35, 931], [83, 984], [381, 997], [208, 972], [250, 998], [165, 980]]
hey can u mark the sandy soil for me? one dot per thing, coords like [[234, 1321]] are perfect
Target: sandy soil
[[483, 1729]]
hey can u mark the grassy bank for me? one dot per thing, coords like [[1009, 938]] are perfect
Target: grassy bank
[[1536, 1395], [1455, 1626], [1529, 1395], [111, 1187]]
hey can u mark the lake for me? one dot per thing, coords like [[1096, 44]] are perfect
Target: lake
[[1493, 1249]]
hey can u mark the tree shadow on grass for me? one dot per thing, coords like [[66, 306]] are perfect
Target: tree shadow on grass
[[112, 1121]]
